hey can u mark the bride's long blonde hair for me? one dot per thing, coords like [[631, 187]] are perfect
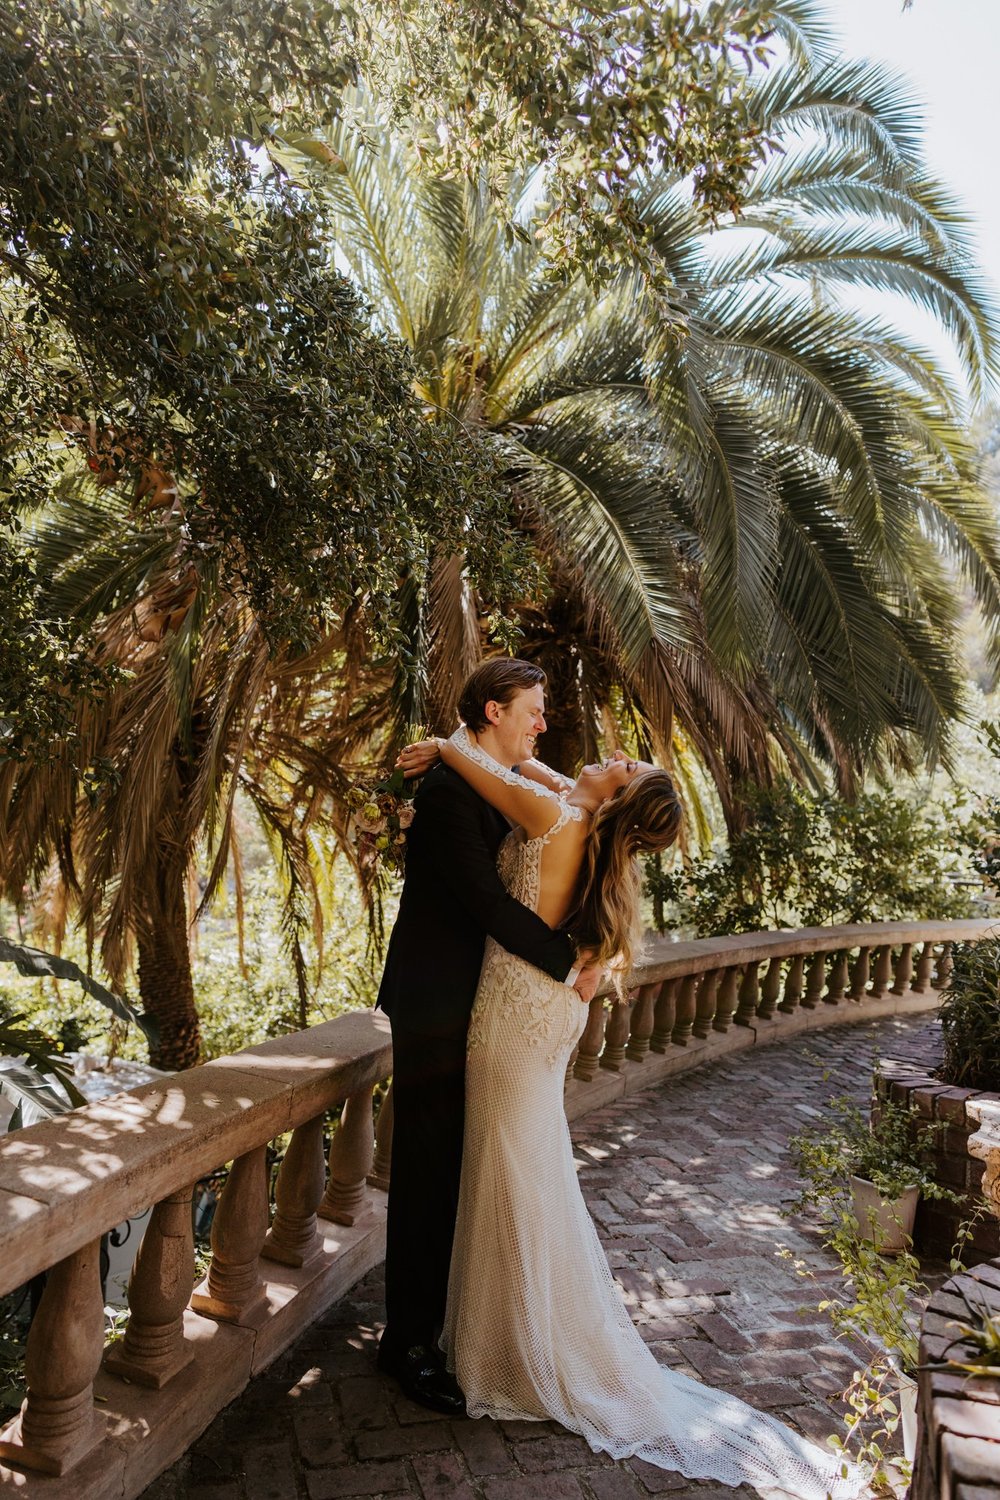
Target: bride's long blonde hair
[[643, 817]]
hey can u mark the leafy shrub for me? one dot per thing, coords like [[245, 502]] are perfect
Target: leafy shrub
[[809, 861], [889, 1151], [970, 1018]]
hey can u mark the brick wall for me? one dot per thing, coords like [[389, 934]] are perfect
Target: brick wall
[[958, 1457], [910, 1081]]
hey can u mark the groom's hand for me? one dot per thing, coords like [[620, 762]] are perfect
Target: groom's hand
[[587, 981]]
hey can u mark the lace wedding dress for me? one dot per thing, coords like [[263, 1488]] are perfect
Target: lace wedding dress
[[536, 1327]]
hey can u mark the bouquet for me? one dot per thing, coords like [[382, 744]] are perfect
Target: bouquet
[[381, 813]]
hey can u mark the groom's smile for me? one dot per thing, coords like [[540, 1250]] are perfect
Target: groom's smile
[[515, 726]]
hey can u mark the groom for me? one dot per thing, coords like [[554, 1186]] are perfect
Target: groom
[[452, 899]]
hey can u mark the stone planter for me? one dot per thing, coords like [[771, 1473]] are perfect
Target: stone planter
[[889, 1222], [906, 1397]]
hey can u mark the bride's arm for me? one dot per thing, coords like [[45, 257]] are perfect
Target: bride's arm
[[537, 770], [525, 802]]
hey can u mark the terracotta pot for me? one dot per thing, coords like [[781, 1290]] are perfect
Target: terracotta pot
[[890, 1223]]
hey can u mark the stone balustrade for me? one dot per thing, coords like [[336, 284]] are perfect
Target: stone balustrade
[[102, 1422]]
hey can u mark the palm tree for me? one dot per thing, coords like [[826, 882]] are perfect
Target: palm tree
[[748, 536], [203, 710]]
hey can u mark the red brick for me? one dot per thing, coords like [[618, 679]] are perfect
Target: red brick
[[724, 1334], [357, 1480], [442, 1476], [320, 1438], [400, 1442], [534, 1487], [551, 1455], [615, 1483], [657, 1481], [363, 1402], [483, 1447]]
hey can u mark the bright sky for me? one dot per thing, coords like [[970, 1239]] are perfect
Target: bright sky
[[949, 50]]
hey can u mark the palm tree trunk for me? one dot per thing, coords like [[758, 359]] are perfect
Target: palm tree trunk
[[165, 980]]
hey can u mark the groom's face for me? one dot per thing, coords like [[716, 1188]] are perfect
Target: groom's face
[[518, 724]]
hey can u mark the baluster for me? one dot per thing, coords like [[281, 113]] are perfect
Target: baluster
[[815, 981], [903, 971], [154, 1348], [749, 994], [293, 1239], [705, 1000], [883, 972], [642, 1023], [685, 1011], [663, 1016], [792, 993], [232, 1291], [616, 1036], [351, 1151], [725, 1003], [839, 978], [770, 990], [925, 964], [378, 1177], [945, 964], [58, 1425], [591, 1042], [859, 975]]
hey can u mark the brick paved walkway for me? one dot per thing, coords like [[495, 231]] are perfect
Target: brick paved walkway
[[687, 1183]]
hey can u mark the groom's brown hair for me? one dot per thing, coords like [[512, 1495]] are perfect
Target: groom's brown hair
[[496, 681]]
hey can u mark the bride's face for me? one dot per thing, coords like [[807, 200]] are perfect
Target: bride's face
[[606, 777]]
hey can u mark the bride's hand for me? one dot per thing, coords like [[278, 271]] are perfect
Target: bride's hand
[[416, 759]]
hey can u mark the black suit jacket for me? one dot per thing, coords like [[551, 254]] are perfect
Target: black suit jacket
[[452, 898]]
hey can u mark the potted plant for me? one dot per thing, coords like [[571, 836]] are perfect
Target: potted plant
[[877, 1167], [863, 1178]]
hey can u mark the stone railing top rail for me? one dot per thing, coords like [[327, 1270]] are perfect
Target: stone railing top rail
[[64, 1182], [665, 959]]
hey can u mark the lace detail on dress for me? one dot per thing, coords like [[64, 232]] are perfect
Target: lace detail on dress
[[544, 1011], [460, 739]]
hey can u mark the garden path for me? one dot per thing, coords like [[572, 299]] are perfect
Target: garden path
[[687, 1184]]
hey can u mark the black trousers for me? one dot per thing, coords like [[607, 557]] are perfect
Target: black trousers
[[428, 1090]]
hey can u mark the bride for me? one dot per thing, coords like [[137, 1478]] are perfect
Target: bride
[[535, 1327]]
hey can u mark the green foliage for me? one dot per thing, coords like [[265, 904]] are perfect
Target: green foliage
[[807, 860], [970, 1017], [174, 326], [893, 1151], [981, 1335]]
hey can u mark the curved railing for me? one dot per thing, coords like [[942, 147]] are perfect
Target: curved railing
[[112, 1420]]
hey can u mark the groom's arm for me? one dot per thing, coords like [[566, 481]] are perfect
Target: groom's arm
[[451, 818]]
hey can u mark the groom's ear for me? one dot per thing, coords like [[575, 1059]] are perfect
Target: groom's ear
[[491, 710]]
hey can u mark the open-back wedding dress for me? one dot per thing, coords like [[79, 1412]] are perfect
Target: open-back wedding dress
[[536, 1327]]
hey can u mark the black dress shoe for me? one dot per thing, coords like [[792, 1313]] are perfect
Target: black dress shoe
[[421, 1373]]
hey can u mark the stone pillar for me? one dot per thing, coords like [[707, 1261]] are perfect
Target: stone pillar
[[770, 990], [815, 981], [642, 1023], [351, 1152], [945, 964], [725, 1001], [921, 982], [292, 1239], [378, 1177], [232, 1291], [792, 993], [591, 1042], [859, 976], [903, 971], [154, 1349], [838, 979], [684, 1011], [616, 1037], [58, 1425], [749, 994], [664, 1012], [705, 1001], [984, 1144], [883, 972]]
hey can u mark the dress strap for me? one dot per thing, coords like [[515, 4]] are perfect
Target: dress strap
[[570, 813], [461, 741]]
